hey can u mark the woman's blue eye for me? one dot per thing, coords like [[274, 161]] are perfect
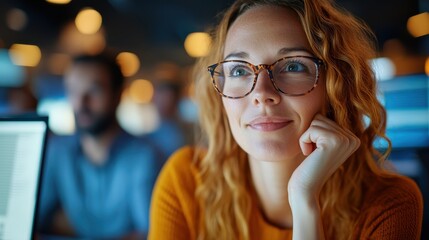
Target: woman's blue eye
[[239, 71], [295, 67]]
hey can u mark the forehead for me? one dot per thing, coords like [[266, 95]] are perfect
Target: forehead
[[264, 30], [87, 73]]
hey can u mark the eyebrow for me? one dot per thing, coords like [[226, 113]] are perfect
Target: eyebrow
[[294, 49], [237, 55], [283, 51]]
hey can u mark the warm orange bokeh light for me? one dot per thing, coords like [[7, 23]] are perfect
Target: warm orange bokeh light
[[198, 44], [129, 62], [73, 42], [141, 91], [88, 21], [59, 1], [16, 19], [418, 25], [25, 55]]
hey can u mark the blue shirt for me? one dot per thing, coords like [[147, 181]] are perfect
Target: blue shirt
[[110, 200], [171, 135]]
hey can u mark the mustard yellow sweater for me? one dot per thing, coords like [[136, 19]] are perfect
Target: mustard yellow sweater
[[392, 211]]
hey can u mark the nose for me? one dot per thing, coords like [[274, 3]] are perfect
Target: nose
[[265, 93], [79, 102]]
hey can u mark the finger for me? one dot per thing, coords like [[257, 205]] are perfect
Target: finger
[[322, 120], [333, 126], [324, 137], [310, 139], [306, 143], [306, 148], [350, 138]]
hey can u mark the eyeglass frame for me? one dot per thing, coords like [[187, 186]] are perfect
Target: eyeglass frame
[[269, 67]]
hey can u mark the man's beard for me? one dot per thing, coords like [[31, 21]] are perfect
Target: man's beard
[[99, 124]]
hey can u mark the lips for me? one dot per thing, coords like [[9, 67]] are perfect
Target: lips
[[267, 124]]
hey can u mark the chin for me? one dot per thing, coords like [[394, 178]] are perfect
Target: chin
[[273, 151]]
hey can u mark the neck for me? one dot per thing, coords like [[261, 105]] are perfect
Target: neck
[[271, 180], [97, 147]]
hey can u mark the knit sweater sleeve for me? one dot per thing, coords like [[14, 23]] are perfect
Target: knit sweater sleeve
[[394, 212], [173, 207]]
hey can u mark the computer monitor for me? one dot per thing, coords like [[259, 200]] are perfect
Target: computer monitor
[[22, 144], [406, 99]]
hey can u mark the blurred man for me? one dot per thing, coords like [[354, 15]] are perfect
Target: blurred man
[[172, 132], [97, 183]]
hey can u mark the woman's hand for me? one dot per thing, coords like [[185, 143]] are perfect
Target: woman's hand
[[326, 146]]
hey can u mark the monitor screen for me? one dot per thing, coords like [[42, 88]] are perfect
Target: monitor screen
[[21, 153], [406, 99]]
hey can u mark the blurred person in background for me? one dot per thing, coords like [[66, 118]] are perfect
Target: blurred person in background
[[98, 182], [172, 132]]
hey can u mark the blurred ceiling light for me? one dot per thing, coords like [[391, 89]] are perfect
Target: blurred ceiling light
[[88, 21], [383, 68], [137, 119], [61, 116], [74, 42], [59, 1], [197, 44], [25, 55], [16, 19], [129, 63], [57, 63], [418, 25], [141, 91]]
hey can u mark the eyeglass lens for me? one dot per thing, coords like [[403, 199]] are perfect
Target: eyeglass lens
[[292, 76]]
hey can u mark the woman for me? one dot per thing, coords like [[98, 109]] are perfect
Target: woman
[[289, 154]]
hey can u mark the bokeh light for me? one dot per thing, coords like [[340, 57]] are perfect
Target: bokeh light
[[25, 55], [197, 44], [61, 117], [137, 119], [129, 62], [74, 42], [88, 21], [59, 1], [418, 25], [383, 68], [16, 19], [141, 91]]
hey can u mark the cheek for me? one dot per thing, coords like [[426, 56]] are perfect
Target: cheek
[[233, 111], [308, 107], [101, 101]]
